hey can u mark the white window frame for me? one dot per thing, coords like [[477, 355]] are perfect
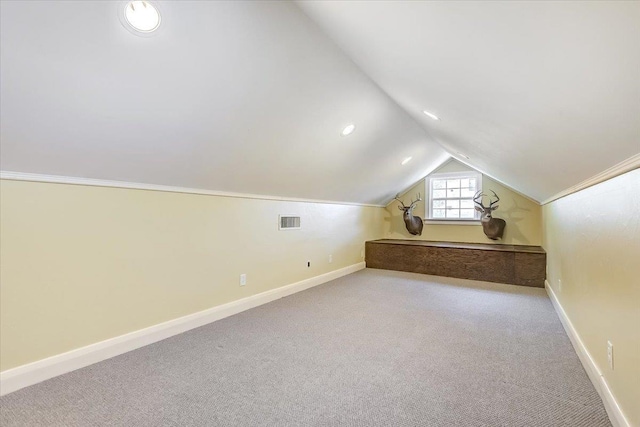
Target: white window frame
[[452, 221]]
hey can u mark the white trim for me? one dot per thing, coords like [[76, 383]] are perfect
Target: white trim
[[429, 172], [466, 163], [445, 175], [41, 370], [452, 222], [499, 181], [614, 411], [625, 166], [57, 179]]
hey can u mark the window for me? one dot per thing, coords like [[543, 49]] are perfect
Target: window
[[451, 196]]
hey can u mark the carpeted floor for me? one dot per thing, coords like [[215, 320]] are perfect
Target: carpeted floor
[[376, 348]]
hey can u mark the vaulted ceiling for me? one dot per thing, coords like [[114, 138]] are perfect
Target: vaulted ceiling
[[251, 97], [540, 94]]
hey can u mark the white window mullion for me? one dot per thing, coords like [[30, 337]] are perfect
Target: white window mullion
[[453, 187]]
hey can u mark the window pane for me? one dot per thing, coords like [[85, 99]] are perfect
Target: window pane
[[439, 183], [452, 196], [453, 213], [466, 213], [453, 192], [467, 193], [466, 204]]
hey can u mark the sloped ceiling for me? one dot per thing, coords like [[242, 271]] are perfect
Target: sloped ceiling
[[245, 97], [541, 95], [250, 97]]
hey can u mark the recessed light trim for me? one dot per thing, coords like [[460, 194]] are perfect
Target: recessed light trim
[[433, 116], [406, 160], [141, 17], [348, 129]]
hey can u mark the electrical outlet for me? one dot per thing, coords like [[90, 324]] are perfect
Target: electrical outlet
[[330, 258], [243, 279], [610, 354]]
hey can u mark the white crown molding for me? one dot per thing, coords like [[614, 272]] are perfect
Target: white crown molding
[[41, 370], [614, 411], [429, 172], [57, 179], [625, 166], [466, 163]]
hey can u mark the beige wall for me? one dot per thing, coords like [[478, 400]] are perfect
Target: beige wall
[[592, 239], [523, 216], [83, 264]]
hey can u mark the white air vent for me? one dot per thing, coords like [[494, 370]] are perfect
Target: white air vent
[[288, 222]]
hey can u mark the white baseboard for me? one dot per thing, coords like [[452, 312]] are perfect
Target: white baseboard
[[33, 373], [595, 375]]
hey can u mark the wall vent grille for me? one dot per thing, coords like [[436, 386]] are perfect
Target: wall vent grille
[[288, 222]]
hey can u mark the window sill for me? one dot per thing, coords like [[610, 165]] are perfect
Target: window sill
[[452, 221]]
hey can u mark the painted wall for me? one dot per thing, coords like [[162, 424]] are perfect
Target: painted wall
[[523, 216], [592, 239], [82, 264]]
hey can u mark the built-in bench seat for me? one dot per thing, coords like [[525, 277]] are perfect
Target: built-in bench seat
[[513, 264]]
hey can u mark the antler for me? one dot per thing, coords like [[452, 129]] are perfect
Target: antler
[[477, 199], [491, 203], [403, 207], [413, 203]]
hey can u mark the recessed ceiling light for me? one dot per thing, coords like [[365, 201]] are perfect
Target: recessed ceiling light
[[348, 130], [407, 160], [433, 116], [142, 16], [464, 156]]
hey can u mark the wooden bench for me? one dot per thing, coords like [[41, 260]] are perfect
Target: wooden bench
[[513, 264]]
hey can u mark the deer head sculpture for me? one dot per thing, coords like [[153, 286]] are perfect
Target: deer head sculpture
[[492, 227], [413, 223]]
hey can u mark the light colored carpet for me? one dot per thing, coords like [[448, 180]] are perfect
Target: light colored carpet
[[376, 348]]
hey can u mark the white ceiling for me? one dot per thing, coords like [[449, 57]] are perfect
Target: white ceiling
[[542, 95], [251, 97], [245, 97]]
